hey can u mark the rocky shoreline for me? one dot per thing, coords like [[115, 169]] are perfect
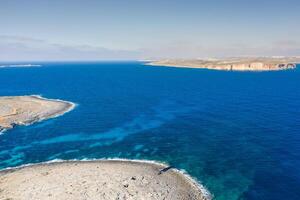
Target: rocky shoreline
[[99, 179], [25, 110]]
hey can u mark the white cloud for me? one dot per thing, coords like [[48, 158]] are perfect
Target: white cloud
[[15, 48], [14, 38], [189, 51]]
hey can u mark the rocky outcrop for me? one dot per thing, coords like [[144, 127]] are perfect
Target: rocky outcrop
[[24, 110]]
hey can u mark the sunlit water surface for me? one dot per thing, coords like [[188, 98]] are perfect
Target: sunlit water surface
[[236, 132]]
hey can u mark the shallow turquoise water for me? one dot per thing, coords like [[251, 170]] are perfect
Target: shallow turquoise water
[[237, 132]]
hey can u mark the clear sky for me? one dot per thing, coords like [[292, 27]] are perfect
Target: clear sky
[[144, 29]]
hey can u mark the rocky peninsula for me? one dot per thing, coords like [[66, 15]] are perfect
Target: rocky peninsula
[[234, 64], [24, 110], [99, 179]]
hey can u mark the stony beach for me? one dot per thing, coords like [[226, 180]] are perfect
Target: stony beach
[[99, 179]]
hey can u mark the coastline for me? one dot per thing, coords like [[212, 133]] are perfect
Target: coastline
[[69, 108], [35, 113], [254, 64], [130, 178]]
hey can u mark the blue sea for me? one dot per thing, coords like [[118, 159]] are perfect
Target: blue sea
[[238, 133]]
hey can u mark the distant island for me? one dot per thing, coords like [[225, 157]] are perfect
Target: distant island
[[99, 179], [24, 110], [233, 64], [19, 65]]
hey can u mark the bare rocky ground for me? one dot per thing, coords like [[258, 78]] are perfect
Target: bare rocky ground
[[23, 110], [105, 180]]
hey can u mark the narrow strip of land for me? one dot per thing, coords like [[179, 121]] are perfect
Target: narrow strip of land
[[234, 64], [19, 65]]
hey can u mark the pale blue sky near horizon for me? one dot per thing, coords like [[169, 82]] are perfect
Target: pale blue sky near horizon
[[139, 29]]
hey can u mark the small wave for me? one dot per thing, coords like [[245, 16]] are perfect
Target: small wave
[[72, 105], [2, 131]]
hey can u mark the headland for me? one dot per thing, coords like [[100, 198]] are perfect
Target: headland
[[233, 64], [99, 179], [25, 110]]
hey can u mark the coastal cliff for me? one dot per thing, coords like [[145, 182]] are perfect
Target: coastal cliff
[[234, 64]]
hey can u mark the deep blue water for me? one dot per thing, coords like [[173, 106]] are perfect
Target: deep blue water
[[237, 132]]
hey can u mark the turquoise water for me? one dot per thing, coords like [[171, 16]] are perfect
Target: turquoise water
[[236, 132]]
